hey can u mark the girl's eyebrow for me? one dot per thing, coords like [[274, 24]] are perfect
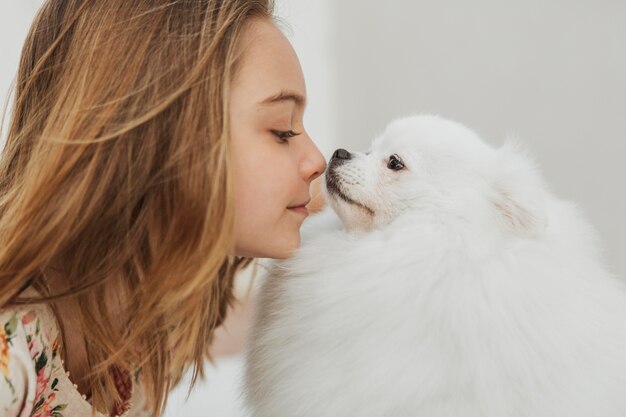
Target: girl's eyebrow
[[286, 95]]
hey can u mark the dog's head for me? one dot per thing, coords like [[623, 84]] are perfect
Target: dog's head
[[426, 165]]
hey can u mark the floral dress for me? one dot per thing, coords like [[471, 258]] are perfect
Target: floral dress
[[33, 381]]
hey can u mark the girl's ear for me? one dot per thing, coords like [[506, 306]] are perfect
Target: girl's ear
[[520, 193]]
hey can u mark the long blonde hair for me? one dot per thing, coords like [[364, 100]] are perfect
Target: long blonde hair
[[116, 172]]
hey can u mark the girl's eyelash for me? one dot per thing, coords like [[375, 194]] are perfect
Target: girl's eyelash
[[283, 135]]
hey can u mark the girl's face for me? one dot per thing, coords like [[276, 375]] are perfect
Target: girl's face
[[274, 158]]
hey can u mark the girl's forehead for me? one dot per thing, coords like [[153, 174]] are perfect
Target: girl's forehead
[[269, 66]]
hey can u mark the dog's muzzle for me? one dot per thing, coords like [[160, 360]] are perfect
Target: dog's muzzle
[[339, 157]]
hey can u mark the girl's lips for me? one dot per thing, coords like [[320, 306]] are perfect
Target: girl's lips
[[300, 210]]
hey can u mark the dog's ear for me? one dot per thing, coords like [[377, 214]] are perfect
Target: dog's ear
[[520, 193]]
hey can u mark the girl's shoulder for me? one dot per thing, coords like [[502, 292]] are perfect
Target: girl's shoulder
[[33, 380], [29, 356]]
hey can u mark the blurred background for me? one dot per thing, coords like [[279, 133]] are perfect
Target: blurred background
[[552, 73]]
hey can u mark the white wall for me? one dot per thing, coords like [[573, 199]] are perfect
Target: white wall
[[553, 72], [15, 19]]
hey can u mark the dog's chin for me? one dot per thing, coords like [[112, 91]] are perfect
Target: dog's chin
[[355, 216]]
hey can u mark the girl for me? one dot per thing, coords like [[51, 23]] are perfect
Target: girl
[[156, 146]]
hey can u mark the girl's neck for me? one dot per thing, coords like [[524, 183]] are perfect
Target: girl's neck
[[68, 315], [68, 312]]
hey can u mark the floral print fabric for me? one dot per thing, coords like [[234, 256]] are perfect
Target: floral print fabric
[[33, 382]]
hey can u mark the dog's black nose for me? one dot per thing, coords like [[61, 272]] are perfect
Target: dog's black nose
[[342, 154]]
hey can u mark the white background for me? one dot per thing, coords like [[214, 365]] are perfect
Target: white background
[[551, 72]]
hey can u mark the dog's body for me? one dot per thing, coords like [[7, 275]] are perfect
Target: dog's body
[[455, 284]]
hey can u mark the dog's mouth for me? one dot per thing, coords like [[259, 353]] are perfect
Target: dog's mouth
[[332, 185]]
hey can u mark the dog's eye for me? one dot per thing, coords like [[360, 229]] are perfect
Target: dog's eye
[[395, 163]]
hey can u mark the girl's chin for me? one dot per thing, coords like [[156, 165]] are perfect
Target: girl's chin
[[281, 251]]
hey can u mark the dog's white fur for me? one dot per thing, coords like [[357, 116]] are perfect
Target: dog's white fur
[[458, 286]]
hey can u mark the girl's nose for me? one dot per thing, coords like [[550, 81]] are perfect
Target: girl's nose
[[315, 163]]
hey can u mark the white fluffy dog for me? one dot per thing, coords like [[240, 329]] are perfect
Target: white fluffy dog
[[452, 283]]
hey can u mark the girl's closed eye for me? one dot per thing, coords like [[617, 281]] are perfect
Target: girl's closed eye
[[284, 135]]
